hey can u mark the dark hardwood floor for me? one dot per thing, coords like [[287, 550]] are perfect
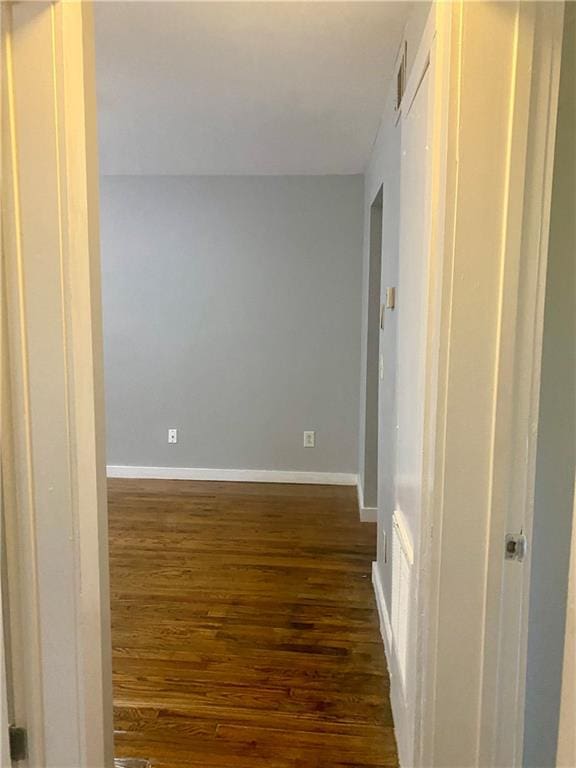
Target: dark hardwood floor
[[245, 632]]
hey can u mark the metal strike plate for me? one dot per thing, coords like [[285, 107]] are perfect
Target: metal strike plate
[[515, 546]]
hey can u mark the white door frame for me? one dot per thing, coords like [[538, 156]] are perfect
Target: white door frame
[[53, 450], [4, 712], [519, 373], [488, 254]]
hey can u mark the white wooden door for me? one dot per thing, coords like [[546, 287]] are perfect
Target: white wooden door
[[411, 319], [52, 451], [412, 299]]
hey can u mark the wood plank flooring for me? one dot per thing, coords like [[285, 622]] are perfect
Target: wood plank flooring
[[245, 632]]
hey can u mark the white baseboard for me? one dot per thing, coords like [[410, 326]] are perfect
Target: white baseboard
[[367, 514], [399, 710], [385, 624], [233, 475]]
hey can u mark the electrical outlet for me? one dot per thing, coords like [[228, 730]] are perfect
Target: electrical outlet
[[172, 435], [309, 439]]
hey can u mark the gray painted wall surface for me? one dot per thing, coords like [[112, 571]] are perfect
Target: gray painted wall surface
[[232, 312], [383, 170], [370, 468], [556, 440]]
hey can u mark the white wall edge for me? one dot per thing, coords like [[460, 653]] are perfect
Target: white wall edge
[[399, 713], [367, 514], [233, 475]]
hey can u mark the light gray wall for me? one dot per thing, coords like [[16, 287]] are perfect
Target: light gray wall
[[232, 311], [556, 439], [384, 173], [383, 170], [370, 468]]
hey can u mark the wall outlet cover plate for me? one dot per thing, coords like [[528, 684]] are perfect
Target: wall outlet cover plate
[[309, 439]]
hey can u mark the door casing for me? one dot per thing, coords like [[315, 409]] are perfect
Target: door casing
[[53, 450], [496, 107]]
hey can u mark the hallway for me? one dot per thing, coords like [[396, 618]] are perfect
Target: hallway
[[245, 632]]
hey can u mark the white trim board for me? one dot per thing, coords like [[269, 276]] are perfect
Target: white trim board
[[233, 475], [385, 625], [399, 712], [367, 514]]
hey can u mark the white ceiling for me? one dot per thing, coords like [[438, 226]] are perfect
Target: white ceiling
[[242, 87]]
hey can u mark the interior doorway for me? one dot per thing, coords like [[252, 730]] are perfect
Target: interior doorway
[[370, 490], [57, 375]]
